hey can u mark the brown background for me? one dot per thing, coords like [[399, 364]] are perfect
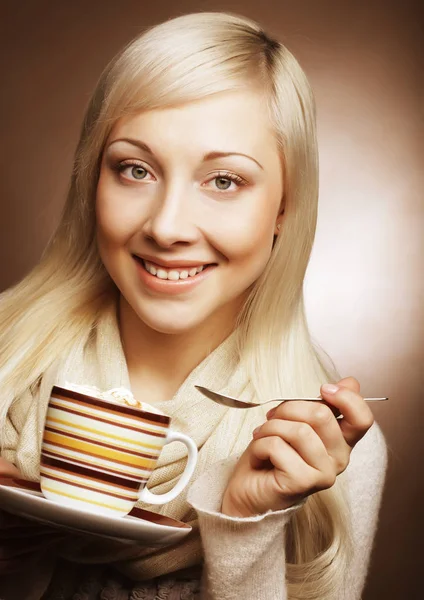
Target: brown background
[[364, 287]]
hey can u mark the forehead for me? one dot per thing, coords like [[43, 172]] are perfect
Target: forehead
[[231, 121]]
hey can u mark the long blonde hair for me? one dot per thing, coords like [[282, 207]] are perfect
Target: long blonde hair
[[182, 60]]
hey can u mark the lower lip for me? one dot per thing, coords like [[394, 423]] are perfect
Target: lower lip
[[167, 286]]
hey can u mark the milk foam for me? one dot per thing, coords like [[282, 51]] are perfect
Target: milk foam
[[120, 395]]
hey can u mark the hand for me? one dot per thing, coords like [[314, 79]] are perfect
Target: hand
[[298, 451], [8, 469]]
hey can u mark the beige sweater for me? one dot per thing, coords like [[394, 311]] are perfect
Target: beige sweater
[[245, 559], [242, 558]]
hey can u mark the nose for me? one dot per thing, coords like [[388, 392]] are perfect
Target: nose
[[171, 218]]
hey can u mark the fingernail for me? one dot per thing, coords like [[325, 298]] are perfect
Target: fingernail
[[329, 388], [270, 413], [255, 431]]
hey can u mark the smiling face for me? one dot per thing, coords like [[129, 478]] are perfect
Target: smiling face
[[187, 204]]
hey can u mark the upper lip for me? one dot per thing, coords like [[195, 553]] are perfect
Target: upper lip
[[169, 264]]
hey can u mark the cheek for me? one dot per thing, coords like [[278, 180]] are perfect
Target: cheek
[[111, 232], [246, 238], [115, 219], [252, 250]]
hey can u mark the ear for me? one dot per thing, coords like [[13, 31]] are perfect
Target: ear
[[278, 221]]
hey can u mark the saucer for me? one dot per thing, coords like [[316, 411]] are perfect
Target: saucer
[[24, 498]]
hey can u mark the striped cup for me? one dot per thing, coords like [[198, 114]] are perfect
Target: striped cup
[[98, 455]]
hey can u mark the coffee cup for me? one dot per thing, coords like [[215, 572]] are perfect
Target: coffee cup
[[98, 455]]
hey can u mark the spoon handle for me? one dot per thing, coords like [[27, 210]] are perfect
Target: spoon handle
[[235, 403], [320, 398]]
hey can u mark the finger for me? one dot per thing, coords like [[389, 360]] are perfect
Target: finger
[[348, 382], [8, 469], [321, 419], [276, 451], [351, 383], [300, 478], [301, 437], [357, 415]]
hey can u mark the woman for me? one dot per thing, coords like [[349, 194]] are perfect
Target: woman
[[180, 260]]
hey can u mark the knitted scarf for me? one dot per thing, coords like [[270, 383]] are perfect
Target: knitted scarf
[[217, 431]]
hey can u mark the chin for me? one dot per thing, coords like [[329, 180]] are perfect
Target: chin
[[170, 324], [167, 328]]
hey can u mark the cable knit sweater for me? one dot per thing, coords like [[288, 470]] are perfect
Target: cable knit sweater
[[242, 559]]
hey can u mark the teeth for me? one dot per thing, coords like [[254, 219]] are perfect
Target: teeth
[[162, 274], [150, 268], [173, 274]]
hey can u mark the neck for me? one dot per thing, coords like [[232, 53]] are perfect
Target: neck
[[160, 362]]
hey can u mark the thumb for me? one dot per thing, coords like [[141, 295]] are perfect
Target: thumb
[[351, 383]]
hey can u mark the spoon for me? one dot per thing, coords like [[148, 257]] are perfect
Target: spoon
[[234, 403]]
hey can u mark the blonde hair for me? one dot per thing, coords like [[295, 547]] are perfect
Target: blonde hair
[[182, 60]]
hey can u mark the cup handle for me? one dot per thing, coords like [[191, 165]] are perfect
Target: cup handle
[[174, 436]]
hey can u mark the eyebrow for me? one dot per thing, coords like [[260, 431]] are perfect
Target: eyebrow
[[209, 156]]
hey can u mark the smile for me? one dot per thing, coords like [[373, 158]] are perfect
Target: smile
[[172, 274], [171, 281]]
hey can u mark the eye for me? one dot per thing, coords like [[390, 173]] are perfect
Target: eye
[[138, 172], [132, 170], [224, 181]]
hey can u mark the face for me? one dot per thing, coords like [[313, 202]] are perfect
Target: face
[[188, 201]]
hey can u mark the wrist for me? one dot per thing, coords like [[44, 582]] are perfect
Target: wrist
[[227, 507], [234, 507], [231, 507], [229, 510]]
